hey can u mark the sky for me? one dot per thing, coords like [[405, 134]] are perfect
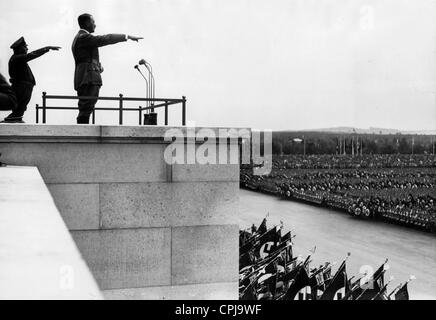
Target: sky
[[280, 64]]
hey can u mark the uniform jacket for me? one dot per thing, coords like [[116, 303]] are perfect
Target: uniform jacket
[[85, 51], [19, 70]]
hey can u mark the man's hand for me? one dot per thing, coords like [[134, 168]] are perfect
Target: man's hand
[[53, 48], [133, 38]]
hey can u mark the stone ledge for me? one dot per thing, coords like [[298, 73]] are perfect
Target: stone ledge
[[96, 134], [87, 163]]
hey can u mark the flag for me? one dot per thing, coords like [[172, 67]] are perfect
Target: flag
[[327, 276], [272, 282], [250, 242], [382, 294], [300, 281], [378, 277], [253, 229], [291, 270], [267, 243], [286, 245], [352, 293], [249, 292], [246, 259], [403, 293], [321, 280], [316, 281], [339, 282], [372, 287], [288, 254], [286, 237], [243, 237], [262, 228]]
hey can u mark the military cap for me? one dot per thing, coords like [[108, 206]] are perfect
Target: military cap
[[20, 42]]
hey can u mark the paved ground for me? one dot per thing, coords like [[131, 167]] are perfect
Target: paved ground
[[38, 257], [211, 291], [334, 233]]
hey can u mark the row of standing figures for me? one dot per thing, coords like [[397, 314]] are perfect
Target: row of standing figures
[[87, 76]]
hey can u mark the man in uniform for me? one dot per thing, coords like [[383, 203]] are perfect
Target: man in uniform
[[87, 78], [8, 101], [22, 78]]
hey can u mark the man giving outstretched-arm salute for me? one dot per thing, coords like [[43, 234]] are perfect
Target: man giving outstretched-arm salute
[[87, 75], [22, 78]]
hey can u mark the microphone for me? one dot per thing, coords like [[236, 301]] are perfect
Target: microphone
[[151, 76]]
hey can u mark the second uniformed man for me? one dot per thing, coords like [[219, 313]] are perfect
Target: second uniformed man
[[22, 79]]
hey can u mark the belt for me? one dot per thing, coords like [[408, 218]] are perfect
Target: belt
[[89, 61], [15, 81]]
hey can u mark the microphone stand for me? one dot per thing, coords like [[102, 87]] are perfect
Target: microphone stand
[[152, 78], [151, 81], [147, 85]]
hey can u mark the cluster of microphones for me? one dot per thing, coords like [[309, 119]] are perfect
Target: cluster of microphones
[[150, 91]]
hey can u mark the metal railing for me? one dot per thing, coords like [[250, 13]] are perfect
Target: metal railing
[[161, 103]]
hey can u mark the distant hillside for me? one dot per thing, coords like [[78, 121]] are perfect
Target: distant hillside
[[353, 141], [371, 130]]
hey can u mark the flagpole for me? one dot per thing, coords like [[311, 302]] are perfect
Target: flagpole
[[412, 277], [396, 288], [349, 294], [382, 274], [372, 276], [383, 289], [367, 288]]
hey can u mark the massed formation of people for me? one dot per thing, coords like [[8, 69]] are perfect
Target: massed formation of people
[[403, 192]]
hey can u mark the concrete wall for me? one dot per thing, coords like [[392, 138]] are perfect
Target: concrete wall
[[38, 257], [137, 221]]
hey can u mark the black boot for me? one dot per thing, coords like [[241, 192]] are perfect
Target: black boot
[[82, 120], [13, 120]]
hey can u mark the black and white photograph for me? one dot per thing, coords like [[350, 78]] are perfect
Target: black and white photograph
[[239, 151]]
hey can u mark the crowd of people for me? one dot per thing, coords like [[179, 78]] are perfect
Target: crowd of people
[[354, 162], [268, 270], [399, 189]]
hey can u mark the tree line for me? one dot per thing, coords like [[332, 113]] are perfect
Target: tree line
[[312, 143]]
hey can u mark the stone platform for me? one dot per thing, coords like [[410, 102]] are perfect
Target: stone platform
[[137, 221]]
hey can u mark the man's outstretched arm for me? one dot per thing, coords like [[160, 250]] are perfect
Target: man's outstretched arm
[[89, 40], [35, 54]]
